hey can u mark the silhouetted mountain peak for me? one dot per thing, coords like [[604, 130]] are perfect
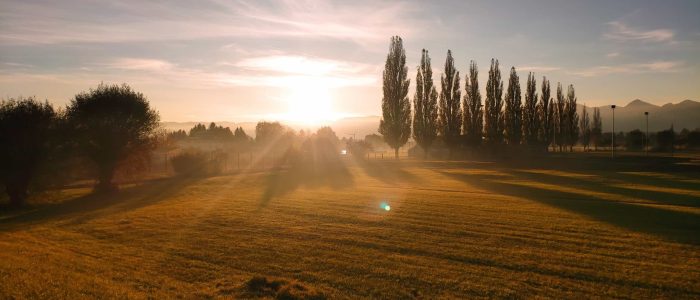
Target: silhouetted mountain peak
[[688, 102], [639, 103]]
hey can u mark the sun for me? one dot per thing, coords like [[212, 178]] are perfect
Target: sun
[[309, 103]]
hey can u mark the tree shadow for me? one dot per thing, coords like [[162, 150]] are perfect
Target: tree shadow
[[387, 171], [668, 224], [603, 185], [280, 182], [92, 205]]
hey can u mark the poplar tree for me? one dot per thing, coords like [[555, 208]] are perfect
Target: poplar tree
[[473, 112], [572, 130], [395, 125], [531, 122], [560, 119], [597, 128], [425, 106], [513, 110], [585, 127], [450, 112], [546, 115], [493, 123]]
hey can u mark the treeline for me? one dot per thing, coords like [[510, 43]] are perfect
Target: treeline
[[505, 118], [100, 130], [213, 132], [112, 129]]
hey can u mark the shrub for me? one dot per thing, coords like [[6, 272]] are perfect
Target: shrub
[[197, 163], [260, 286]]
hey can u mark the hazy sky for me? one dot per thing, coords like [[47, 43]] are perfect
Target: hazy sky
[[251, 60]]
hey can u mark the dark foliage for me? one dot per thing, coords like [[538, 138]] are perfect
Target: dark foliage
[[110, 124], [665, 140], [634, 140], [513, 110], [545, 110], [425, 105], [450, 110], [197, 163], [25, 138], [531, 121], [395, 125], [473, 123], [493, 116]]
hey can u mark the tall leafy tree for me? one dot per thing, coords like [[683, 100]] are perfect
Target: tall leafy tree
[[395, 125], [111, 124], [572, 130], [585, 127], [25, 129], [425, 106], [493, 122], [450, 111], [560, 119], [545, 110], [473, 125], [531, 121], [513, 111], [597, 128]]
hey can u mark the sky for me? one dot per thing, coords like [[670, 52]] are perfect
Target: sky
[[313, 61]]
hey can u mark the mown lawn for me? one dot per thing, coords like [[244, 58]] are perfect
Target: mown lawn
[[455, 230]]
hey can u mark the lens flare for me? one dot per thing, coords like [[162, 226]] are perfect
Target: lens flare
[[385, 206]]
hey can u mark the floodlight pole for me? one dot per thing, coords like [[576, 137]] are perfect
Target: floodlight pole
[[613, 130], [646, 137]]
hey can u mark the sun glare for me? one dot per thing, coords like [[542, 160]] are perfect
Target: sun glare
[[310, 102]]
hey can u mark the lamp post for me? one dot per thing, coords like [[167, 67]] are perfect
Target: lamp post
[[646, 137], [613, 130]]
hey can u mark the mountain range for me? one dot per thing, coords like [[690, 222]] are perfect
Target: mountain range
[[685, 114]]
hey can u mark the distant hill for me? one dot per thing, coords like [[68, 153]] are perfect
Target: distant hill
[[685, 114]]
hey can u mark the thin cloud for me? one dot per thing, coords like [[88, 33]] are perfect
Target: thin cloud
[[621, 32], [539, 68], [276, 71], [612, 55], [653, 67], [68, 22], [299, 65], [140, 64]]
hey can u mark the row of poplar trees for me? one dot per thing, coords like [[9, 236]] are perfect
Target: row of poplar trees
[[540, 122]]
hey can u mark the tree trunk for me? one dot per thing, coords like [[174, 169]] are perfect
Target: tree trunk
[[425, 153], [106, 174], [17, 193], [396, 153]]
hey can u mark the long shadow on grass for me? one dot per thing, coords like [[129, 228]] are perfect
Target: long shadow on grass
[[672, 225], [280, 182], [90, 206], [602, 185], [387, 171]]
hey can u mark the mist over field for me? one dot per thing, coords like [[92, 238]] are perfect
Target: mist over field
[[349, 150]]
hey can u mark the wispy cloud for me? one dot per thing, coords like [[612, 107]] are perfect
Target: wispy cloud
[[653, 67], [539, 68], [140, 64], [76, 21], [296, 70], [300, 65], [612, 54], [619, 31], [276, 71]]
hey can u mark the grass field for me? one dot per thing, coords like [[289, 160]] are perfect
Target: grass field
[[564, 229]]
